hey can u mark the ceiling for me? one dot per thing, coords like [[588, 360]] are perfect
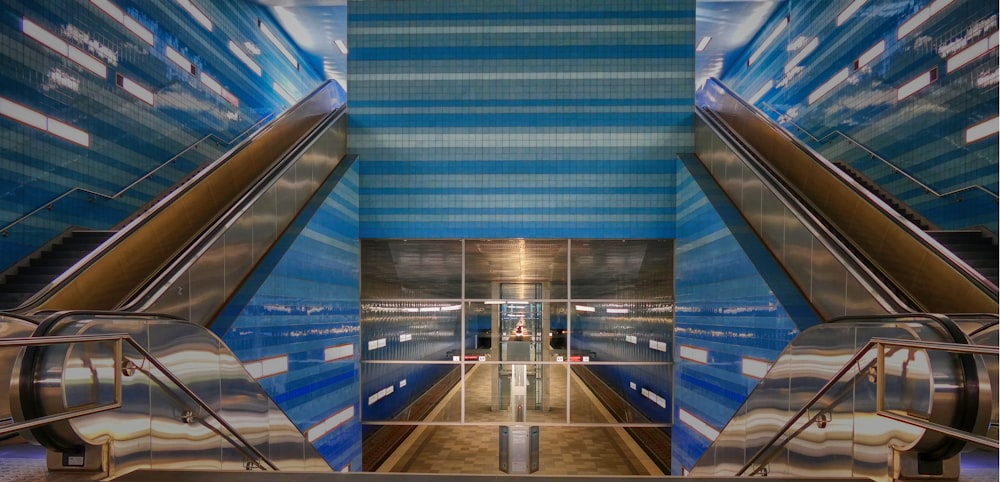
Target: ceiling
[[595, 268], [317, 25]]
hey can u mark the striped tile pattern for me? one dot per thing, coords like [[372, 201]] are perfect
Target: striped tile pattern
[[499, 118]]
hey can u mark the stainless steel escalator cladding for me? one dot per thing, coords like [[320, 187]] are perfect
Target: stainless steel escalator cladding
[[842, 434], [158, 425]]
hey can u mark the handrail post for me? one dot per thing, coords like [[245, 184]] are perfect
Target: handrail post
[[879, 376]]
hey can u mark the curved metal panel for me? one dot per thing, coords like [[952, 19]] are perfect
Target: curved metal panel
[[843, 435], [156, 416]]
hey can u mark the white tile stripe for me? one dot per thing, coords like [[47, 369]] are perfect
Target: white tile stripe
[[319, 430]]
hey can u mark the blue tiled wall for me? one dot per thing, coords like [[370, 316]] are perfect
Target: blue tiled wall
[[724, 306], [504, 118], [432, 336], [127, 137], [924, 134], [627, 339], [307, 303]]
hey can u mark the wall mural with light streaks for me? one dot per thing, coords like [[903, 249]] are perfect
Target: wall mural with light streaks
[[97, 94], [905, 91]]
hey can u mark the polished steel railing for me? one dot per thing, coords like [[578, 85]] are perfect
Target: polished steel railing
[[872, 154], [123, 366], [873, 368]]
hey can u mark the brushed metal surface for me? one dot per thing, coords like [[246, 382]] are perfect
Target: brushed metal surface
[[935, 279], [852, 441], [10, 327], [148, 243], [825, 271], [158, 426], [214, 273]]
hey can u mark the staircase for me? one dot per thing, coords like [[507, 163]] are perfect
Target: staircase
[[977, 248], [45, 265]]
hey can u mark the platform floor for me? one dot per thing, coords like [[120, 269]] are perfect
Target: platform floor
[[570, 450]]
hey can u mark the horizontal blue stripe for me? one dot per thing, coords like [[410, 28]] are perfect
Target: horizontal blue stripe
[[589, 52], [389, 191], [526, 166], [685, 100], [522, 120], [325, 382], [606, 15], [529, 211]]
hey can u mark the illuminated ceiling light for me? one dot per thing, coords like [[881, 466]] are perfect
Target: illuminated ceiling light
[[130, 23], [692, 353], [196, 13], [753, 367], [972, 52], [703, 44], [801, 55], [768, 41], [425, 309], [58, 45], [339, 352], [697, 424], [33, 118], [617, 310], [317, 431], [284, 94], [870, 55], [588, 309], [451, 308], [135, 89], [495, 302], [761, 91], [829, 85], [921, 17], [341, 46], [917, 84], [180, 60], [277, 43], [245, 58], [982, 130], [267, 367], [850, 10]]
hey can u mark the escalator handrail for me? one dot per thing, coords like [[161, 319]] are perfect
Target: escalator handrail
[[897, 219], [251, 452], [218, 228], [887, 297], [962, 345], [37, 301]]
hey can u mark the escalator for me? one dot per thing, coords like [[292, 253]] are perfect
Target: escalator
[[161, 280], [826, 408]]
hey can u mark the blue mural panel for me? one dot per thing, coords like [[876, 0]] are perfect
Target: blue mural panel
[[904, 91], [96, 96], [726, 311], [306, 308]]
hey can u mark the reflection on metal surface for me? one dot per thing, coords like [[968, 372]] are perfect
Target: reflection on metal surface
[[934, 279], [821, 409], [187, 403], [125, 263]]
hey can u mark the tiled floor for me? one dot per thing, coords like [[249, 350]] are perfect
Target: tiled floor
[[570, 450]]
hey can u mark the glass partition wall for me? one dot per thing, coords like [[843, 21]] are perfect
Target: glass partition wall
[[487, 333]]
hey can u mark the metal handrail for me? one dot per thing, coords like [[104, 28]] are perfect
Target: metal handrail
[[877, 343], [874, 155], [252, 454], [4, 231]]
